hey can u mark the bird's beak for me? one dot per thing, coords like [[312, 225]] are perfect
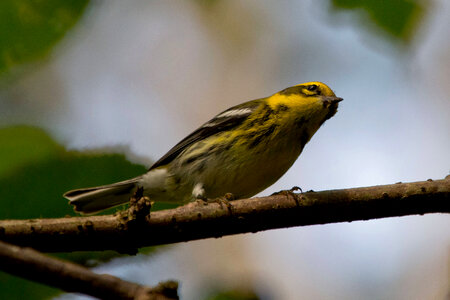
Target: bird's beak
[[327, 101]]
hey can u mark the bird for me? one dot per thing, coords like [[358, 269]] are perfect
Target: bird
[[242, 151]]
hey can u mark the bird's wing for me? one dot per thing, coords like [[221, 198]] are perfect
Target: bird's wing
[[226, 120]]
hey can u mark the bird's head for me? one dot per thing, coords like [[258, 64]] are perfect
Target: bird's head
[[310, 100]]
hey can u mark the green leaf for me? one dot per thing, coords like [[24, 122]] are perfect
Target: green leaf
[[238, 294], [397, 19], [13, 288], [23, 145], [29, 28], [34, 173]]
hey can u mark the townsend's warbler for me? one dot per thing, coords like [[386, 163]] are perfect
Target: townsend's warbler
[[242, 151]]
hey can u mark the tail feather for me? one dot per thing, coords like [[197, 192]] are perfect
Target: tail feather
[[95, 199]]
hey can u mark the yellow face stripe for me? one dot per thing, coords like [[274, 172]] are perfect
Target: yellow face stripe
[[303, 95]]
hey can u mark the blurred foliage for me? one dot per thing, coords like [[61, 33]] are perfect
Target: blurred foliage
[[234, 295], [29, 28], [398, 19], [13, 288], [34, 173]]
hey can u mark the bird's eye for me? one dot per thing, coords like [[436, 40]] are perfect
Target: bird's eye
[[312, 87]]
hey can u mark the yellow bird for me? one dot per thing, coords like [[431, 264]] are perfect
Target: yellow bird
[[242, 151]]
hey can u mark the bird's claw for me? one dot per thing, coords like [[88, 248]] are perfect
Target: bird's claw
[[224, 200], [289, 192]]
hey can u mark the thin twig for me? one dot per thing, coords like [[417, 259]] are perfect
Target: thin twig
[[32, 265], [198, 220]]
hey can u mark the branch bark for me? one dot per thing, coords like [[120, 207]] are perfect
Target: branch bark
[[32, 265], [197, 220]]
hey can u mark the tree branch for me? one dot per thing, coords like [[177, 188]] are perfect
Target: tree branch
[[32, 265], [197, 220]]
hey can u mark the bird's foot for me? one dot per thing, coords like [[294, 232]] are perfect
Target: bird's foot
[[288, 192], [201, 201], [139, 207], [223, 201]]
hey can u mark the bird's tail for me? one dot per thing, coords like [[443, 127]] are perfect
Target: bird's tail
[[95, 199]]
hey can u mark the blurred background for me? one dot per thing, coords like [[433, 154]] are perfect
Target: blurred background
[[93, 91]]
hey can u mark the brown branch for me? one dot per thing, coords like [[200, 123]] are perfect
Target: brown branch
[[32, 265], [198, 220]]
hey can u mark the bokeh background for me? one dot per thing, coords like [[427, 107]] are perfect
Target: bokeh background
[[93, 91]]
